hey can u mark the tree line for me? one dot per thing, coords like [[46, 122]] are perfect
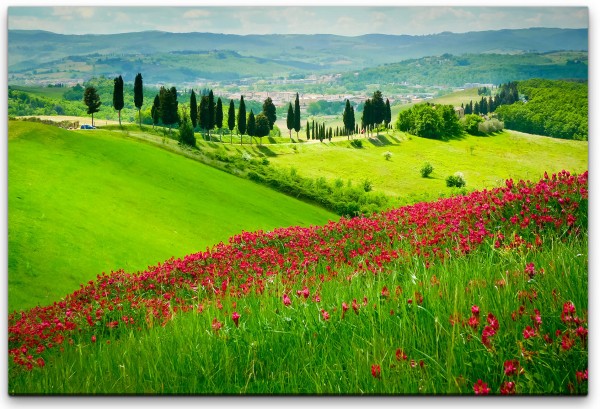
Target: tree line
[[208, 114]]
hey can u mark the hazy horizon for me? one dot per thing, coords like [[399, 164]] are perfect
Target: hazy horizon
[[351, 21]]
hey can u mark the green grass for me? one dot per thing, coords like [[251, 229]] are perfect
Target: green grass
[[50, 92], [292, 350], [484, 161], [84, 202]]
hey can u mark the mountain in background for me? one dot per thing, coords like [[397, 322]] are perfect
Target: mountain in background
[[189, 57]]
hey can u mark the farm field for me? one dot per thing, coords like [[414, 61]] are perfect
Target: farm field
[[84, 202], [484, 161]]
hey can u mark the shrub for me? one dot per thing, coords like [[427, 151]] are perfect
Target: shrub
[[456, 180], [492, 125], [387, 155], [426, 170], [367, 185], [470, 123], [357, 143], [186, 132]]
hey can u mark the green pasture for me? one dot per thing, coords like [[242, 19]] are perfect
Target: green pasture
[[485, 161], [84, 202]]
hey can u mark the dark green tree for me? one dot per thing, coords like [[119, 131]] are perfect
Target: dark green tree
[[290, 119], [168, 106], [270, 111], [118, 102], [262, 126], [138, 95], [186, 131], [241, 119], [203, 119], [297, 124], [307, 131], [251, 126], [211, 112], [378, 110], [231, 119], [155, 111], [348, 118], [92, 100], [367, 117], [219, 118], [193, 109], [388, 113]]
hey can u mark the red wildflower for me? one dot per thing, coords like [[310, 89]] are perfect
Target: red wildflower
[[235, 317], [473, 322], [530, 270], [567, 312], [325, 315], [93, 338], [400, 355], [481, 388], [286, 300], [511, 367], [41, 363], [508, 388], [304, 292], [216, 325], [355, 306], [582, 333], [385, 292], [581, 376], [493, 321], [344, 309], [528, 332], [566, 342], [475, 310], [376, 371], [536, 318]]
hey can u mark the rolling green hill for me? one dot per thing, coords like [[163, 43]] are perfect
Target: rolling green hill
[[45, 56], [84, 202], [484, 161], [457, 70]]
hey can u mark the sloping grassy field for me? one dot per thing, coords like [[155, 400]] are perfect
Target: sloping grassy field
[[84, 202], [484, 161]]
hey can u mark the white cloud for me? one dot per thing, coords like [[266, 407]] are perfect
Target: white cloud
[[70, 13], [196, 13]]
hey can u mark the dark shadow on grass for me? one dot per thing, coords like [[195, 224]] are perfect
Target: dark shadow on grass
[[264, 151]]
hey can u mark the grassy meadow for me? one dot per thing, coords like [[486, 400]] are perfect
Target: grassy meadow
[[485, 161], [84, 202], [481, 294]]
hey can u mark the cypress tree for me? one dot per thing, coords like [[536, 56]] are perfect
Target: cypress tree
[[388, 113], [231, 119], [348, 118], [378, 109], [193, 109], [307, 131], [297, 125], [155, 111], [251, 126], [118, 102], [366, 119], [168, 106], [313, 130], [203, 119], [92, 100], [219, 118], [138, 95], [290, 120], [211, 113], [241, 119]]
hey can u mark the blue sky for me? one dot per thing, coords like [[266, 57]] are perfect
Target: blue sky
[[306, 18]]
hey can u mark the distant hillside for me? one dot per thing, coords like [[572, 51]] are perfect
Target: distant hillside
[[454, 70], [39, 55]]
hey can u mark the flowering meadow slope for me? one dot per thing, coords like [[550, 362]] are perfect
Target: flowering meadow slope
[[406, 260]]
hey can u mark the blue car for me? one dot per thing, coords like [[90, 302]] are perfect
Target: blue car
[[87, 127]]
